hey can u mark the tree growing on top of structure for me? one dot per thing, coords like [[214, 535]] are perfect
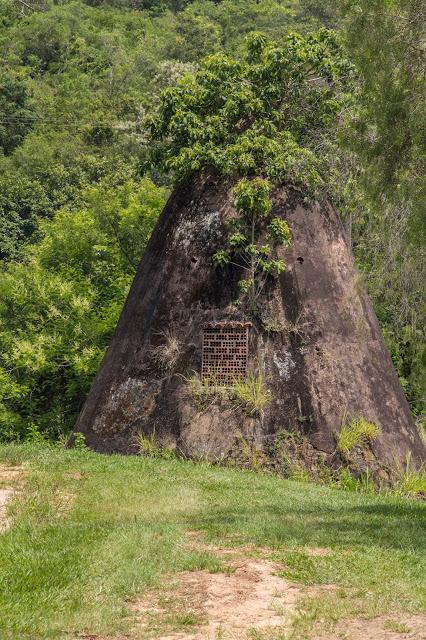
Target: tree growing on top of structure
[[256, 119]]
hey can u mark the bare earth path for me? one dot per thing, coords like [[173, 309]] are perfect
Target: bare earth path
[[9, 476], [249, 602], [231, 605]]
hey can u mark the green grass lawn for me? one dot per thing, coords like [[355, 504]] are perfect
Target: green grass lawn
[[91, 532]]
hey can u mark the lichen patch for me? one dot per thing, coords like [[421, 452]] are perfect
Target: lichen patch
[[284, 364]]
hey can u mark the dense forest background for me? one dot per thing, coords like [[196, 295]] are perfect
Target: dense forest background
[[79, 85]]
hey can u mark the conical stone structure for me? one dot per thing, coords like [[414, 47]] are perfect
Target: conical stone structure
[[320, 350]]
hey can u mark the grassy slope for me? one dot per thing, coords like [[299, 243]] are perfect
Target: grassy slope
[[91, 532]]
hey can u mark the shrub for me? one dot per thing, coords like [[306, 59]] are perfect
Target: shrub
[[59, 306], [79, 442], [280, 231], [34, 435]]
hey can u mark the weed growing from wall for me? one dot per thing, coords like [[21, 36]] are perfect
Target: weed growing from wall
[[356, 432], [253, 239], [251, 394], [409, 480], [167, 353], [150, 448]]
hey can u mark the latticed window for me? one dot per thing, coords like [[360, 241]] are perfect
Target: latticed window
[[225, 351]]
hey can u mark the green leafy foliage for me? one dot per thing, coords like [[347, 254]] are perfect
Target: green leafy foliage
[[221, 258], [388, 124], [251, 198], [279, 231], [255, 116], [59, 306], [385, 132], [78, 82], [244, 250], [16, 114], [79, 442]]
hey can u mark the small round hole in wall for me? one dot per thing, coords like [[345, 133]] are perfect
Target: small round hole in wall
[[300, 260]]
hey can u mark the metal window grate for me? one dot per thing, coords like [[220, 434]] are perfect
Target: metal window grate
[[225, 351]]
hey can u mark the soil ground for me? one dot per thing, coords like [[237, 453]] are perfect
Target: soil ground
[[9, 479]]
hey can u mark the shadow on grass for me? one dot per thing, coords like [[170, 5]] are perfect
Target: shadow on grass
[[387, 526]]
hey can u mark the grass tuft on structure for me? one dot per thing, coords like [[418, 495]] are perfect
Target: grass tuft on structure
[[356, 432], [251, 393], [150, 448], [167, 353], [410, 480]]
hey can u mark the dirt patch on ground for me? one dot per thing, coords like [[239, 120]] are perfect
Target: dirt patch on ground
[[9, 479], [383, 628], [246, 597], [317, 552], [9, 474], [251, 597], [5, 496], [195, 541]]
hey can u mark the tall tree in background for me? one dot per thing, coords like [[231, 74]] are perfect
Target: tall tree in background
[[387, 42], [16, 114]]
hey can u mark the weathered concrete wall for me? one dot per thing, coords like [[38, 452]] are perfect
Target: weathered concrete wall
[[327, 361]]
